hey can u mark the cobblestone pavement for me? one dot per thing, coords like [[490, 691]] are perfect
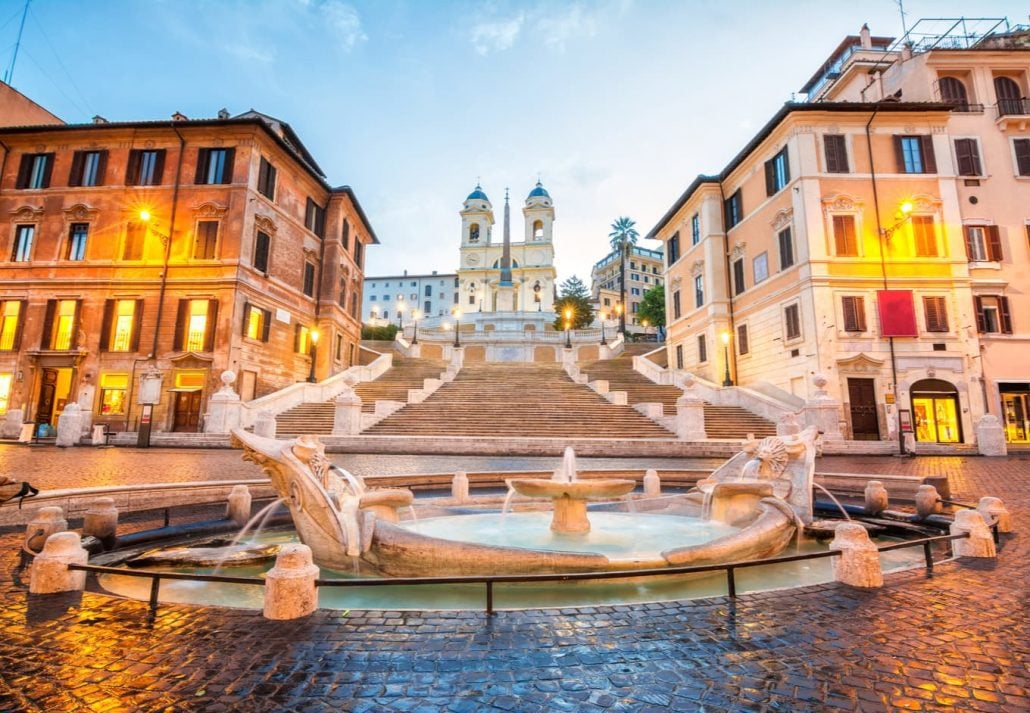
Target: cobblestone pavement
[[956, 640]]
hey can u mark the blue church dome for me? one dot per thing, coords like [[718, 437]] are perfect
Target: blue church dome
[[539, 192], [477, 194]]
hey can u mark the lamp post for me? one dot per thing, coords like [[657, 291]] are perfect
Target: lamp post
[[604, 316], [313, 336], [400, 310], [727, 381], [645, 324], [568, 327], [618, 316], [457, 326], [415, 315]]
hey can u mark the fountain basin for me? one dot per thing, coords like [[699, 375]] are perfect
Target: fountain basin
[[570, 498]]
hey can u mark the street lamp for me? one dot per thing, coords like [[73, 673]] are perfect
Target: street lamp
[[456, 312], [400, 310], [568, 328], [645, 324], [727, 381], [604, 316], [313, 336], [618, 316], [415, 315]]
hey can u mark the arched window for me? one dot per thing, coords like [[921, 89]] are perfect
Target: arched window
[[953, 91], [474, 233], [1008, 93], [538, 230]]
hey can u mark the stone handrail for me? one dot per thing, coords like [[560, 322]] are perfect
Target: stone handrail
[[579, 336], [654, 372]]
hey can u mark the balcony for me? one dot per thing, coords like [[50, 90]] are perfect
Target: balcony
[[1013, 107]]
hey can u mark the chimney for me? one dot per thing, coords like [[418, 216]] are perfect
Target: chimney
[[906, 52], [866, 36], [223, 113], [179, 116], [100, 120], [405, 273]]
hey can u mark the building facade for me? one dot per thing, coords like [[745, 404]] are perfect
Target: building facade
[[644, 270], [394, 297], [167, 252], [876, 234]]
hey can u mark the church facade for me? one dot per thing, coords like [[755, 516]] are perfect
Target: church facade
[[503, 276]]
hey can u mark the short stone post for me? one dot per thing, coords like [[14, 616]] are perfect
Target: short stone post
[[652, 484], [990, 436], [823, 411], [48, 520], [460, 486], [980, 542], [928, 502], [238, 503], [50, 573], [69, 426], [347, 414], [99, 437], [876, 498], [101, 521], [224, 408], [690, 413], [859, 562], [264, 424], [994, 509], [290, 589], [12, 423]]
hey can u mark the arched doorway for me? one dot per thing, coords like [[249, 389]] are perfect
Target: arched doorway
[[935, 411]]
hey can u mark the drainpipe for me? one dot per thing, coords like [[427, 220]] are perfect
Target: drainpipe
[[168, 244], [883, 271], [729, 285]]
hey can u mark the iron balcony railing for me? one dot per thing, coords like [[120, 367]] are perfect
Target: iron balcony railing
[[1013, 107]]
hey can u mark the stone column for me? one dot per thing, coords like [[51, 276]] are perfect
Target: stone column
[[101, 521], [50, 571], [224, 408], [48, 520], [347, 414], [980, 542], [69, 426], [990, 436], [823, 411], [859, 562], [238, 505], [290, 589], [12, 423], [994, 509], [264, 424], [876, 498], [690, 413], [652, 484]]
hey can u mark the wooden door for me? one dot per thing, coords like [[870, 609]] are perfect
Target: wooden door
[[47, 394], [187, 411], [865, 425]]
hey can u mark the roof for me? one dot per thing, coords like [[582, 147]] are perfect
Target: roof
[[787, 109], [349, 192], [539, 191], [477, 194], [878, 43], [422, 276]]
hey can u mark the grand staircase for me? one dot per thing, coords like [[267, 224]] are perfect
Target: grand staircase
[[720, 421], [513, 400]]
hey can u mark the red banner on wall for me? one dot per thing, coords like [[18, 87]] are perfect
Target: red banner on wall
[[897, 313]]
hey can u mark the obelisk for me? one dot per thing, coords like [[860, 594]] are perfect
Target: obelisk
[[505, 288]]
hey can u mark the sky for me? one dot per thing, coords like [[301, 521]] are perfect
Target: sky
[[616, 105]]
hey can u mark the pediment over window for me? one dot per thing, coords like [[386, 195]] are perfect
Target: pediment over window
[[265, 224], [860, 364], [211, 209], [80, 213], [782, 219], [841, 202], [191, 360], [739, 250], [27, 214]]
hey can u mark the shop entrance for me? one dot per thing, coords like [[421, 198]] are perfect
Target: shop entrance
[[55, 384], [188, 395], [865, 424], [1015, 404], [935, 412]]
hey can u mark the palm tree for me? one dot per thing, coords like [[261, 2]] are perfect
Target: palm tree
[[623, 237]]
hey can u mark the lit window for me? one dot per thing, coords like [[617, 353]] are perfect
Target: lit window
[[844, 235], [5, 391], [925, 236], [112, 394], [196, 328], [123, 325], [302, 343], [256, 323], [10, 320], [23, 238], [77, 235], [64, 327]]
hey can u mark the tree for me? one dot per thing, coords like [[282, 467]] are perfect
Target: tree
[[652, 307], [623, 237], [573, 294]]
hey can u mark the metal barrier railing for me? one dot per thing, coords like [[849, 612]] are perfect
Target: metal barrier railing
[[489, 580]]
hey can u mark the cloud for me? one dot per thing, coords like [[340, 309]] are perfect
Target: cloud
[[558, 27], [496, 36], [344, 21], [250, 53]]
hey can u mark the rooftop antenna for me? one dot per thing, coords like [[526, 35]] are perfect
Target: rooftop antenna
[[901, 11], [9, 74]]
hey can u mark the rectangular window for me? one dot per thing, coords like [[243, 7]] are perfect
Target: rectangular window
[[61, 325], [302, 340], [266, 179], [915, 154], [77, 235], [1022, 150], [24, 236], [135, 234], [983, 243], [11, 312], [256, 322], [679, 356], [120, 329], [702, 349], [760, 267], [145, 168], [214, 166], [195, 325], [967, 155], [738, 276], [35, 170], [854, 313], [345, 235], [777, 173], [786, 244], [936, 314], [88, 168], [844, 238], [113, 388], [428, 291], [836, 153], [742, 345], [924, 233], [358, 252], [672, 249], [992, 314], [205, 241], [676, 311], [695, 229], [261, 245], [314, 218], [792, 321], [309, 279], [734, 209], [699, 290]]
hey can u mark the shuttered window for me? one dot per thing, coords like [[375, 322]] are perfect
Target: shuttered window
[[215, 166], [266, 179], [777, 173], [34, 171], [119, 331], [12, 318], [844, 239], [983, 243], [309, 279], [702, 348], [61, 325], [854, 313], [257, 322], [676, 309], [836, 153], [738, 276], [195, 324], [1022, 149], [145, 167], [992, 314], [936, 314], [914, 154], [792, 321], [967, 155], [786, 244], [88, 168], [262, 243], [924, 232], [734, 209], [742, 345], [314, 218], [205, 241]]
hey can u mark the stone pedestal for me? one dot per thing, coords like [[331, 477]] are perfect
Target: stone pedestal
[[690, 418], [50, 571], [859, 562], [990, 437], [238, 505], [652, 484], [505, 298], [928, 501], [347, 414], [47, 521], [101, 520], [823, 411], [460, 486], [980, 542], [224, 408], [994, 509], [69, 426], [12, 423], [876, 498], [290, 590], [264, 424]]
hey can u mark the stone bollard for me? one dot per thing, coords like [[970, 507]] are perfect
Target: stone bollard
[[990, 436], [99, 437], [237, 508], [928, 502], [69, 426], [101, 521], [290, 590], [264, 424], [994, 509], [652, 484], [460, 486], [876, 498], [50, 573], [47, 521], [859, 562], [347, 413], [980, 543]]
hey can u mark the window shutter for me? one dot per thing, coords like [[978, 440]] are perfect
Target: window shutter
[[203, 158], [969, 242], [101, 167], [230, 159], [963, 157], [993, 243], [246, 318], [105, 325], [48, 169], [981, 321], [1022, 147], [75, 177], [899, 154], [929, 161], [132, 169], [23, 305], [770, 177], [850, 314], [75, 324], [296, 338], [1006, 316], [266, 324], [48, 325], [137, 323], [830, 153], [180, 325], [25, 169], [212, 321], [936, 314], [159, 167], [345, 237]]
